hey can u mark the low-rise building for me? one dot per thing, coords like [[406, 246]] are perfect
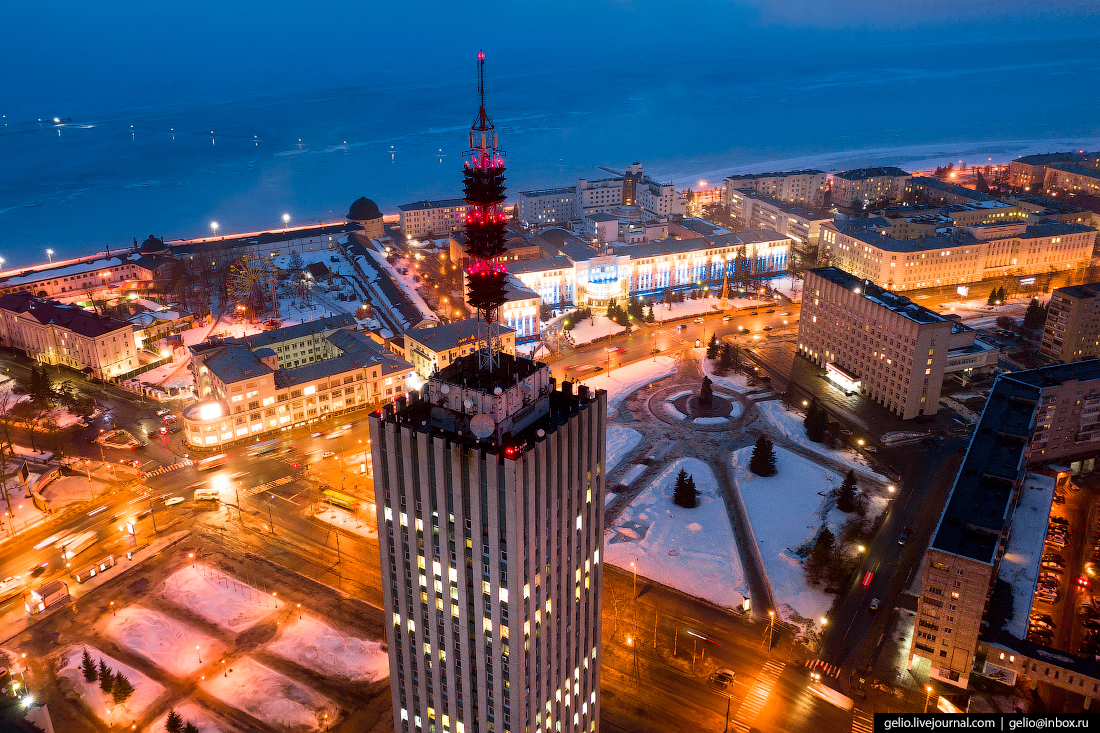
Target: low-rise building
[[1073, 178], [58, 333], [761, 211], [1072, 328], [422, 218], [521, 245], [1039, 428], [882, 344], [101, 278], [658, 200], [433, 348], [955, 255], [927, 190], [548, 207], [861, 186], [805, 187], [285, 378], [1030, 171]]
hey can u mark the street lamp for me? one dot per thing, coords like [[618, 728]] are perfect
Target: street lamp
[[861, 548], [927, 696], [214, 226], [824, 621], [635, 567], [49, 253], [891, 488], [286, 220]]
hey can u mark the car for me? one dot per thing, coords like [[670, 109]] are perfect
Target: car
[[698, 320], [163, 411], [870, 449], [174, 500], [140, 445], [766, 328], [904, 536], [770, 310], [327, 454], [722, 677], [655, 351], [174, 429], [1044, 617], [598, 369], [755, 313], [727, 318], [315, 435], [874, 605], [785, 313]]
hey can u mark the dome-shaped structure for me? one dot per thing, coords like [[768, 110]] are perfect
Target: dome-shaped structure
[[365, 213], [363, 209], [153, 246]]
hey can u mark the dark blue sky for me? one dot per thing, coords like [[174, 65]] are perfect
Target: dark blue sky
[[83, 58]]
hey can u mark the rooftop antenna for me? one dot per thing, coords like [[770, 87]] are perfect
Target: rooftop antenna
[[486, 274]]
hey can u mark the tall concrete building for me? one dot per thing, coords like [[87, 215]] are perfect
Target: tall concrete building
[[853, 188], [882, 344], [1072, 329], [489, 489], [806, 187], [1040, 428]]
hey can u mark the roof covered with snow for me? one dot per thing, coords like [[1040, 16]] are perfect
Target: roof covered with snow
[[69, 317], [1020, 564]]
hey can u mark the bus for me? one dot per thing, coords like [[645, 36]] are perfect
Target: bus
[[212, 462], [261, 449], [831, 696], [207, 494], [78, 544], [341, 500]]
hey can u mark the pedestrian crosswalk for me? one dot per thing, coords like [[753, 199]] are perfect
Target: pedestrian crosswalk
[[269, 485], [171, 467], [757, 696], [862, 722]]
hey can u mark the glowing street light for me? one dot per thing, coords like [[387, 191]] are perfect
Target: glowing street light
[[927, 696], [286, 220], [891, 488], [214, 226], [861, 548], [49, 253], [824, 621]]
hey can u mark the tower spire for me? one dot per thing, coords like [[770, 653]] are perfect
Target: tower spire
[[483, 183]]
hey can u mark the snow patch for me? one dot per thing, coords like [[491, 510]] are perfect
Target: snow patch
[[170, 644], [103, 704], [317, 646], [621, 442], [270, 697], [217, 597], [622, 381], [192, 713]]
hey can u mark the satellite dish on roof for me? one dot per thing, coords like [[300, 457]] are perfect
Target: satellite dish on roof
[[482, 426], [445, 389], [497, 390], [468, 403]]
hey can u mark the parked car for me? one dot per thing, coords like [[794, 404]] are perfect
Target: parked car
[[722, 677], [770, 310], [904, 536]]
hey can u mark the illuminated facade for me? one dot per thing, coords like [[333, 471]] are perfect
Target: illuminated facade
[[855, 187], [806, 187]]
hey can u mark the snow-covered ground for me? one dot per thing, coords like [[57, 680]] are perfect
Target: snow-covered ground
[[732, 381], [270, 697], [592, 328], [789, 424], [621, 442], [789, 286], [103, 704], [192, 713], [1020, 564], [692, 550], [632, 474], [216, 597], [71, 490], [172, 645], [621, 381], [786, 511], [310, 643], [345, 520]]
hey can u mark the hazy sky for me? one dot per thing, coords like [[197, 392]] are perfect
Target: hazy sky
[[79, 58]]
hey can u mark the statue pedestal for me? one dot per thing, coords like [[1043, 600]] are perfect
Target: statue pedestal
[[690, 406]]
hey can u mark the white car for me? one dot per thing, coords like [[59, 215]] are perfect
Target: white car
[[327, 454], [174, 500], [723, 677]]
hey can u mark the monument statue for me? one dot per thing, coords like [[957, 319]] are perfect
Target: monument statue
[[706, 394]]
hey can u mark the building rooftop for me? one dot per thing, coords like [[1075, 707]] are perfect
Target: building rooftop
[[1086, 290], [566, 190], [1076, 169], [876, 237], [862, 174], [71, 317], [1053, 228], [601, 217], [776, 174], [236, 362], [879, 296], [786, 207], [1067, 157], [450, 335], [441, 204], [673, 246], [979, 505], [296, 331], [952, 188], [557, 262], [566, 243]]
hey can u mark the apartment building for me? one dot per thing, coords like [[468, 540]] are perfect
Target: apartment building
[[994, 528], [882, 344], [1073, 179], [805, 187], [117, 276], [489, 491], [435, 347], [285, 378], [1030, 171], [548, 206], [761, 211], [927, 190], [58, 333], [861, 186], [958, 255], [432, 217], [1072, 328], [634, 188]]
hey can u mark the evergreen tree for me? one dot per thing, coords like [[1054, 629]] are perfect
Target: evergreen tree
[[106, 677], [190, 728], [734, 357], [725, 363], [649, 317], [712, 347], [173, 723], [122, 689], [683, 493], [762, 462], [992, 297], [846, 500], [1035, 315], [88, 667], [295, 264], [821, 556], [815, 423]]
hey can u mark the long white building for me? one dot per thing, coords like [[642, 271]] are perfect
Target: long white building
[[489, 489]]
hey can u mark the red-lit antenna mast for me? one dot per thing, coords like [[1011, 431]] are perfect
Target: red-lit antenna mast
[[483, 184]]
